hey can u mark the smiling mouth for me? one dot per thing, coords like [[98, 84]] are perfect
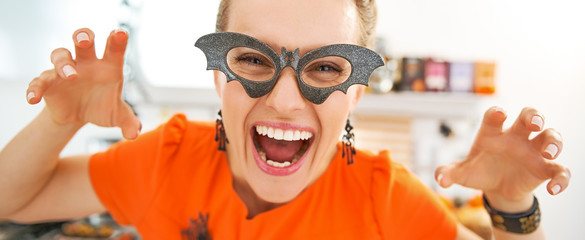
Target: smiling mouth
[[281, 148]]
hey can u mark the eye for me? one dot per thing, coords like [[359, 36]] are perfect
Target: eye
[[250, 64], [327, 68], [326, 71], [250, 59]]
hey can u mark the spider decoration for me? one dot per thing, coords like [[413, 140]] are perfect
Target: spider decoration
[[197, 229]]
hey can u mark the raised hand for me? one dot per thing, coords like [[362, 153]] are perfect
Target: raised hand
[[87, 89], [508, 164]]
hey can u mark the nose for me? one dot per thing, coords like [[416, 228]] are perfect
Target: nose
[[286, 96]]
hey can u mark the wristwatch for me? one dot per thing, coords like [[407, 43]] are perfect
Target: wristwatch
[[522, 222]]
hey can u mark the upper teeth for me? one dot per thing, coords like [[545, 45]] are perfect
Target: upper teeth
[[281, 134]]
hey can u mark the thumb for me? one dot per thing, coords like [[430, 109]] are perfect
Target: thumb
[[128, 122], [446, 175]]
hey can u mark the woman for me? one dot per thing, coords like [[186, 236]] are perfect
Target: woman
[[174, 183]]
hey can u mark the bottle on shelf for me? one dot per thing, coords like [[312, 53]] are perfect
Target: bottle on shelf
[[484, 81], [461, 76]]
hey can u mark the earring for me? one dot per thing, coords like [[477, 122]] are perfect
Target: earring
[[348, 143], [220, 133]]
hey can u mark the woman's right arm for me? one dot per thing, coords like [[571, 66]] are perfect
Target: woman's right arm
[[41, 185]]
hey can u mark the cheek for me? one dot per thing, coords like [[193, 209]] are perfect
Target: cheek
[[236, 105], [333, 112]]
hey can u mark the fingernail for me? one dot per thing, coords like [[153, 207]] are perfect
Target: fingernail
[[538, 121], [68, 70], [552, 150], [556, 189], [30, 96], [139, 129], [439, 178], [499, 109], [120, 32], [82, 36]]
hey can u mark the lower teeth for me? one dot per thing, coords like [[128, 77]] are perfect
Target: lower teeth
[[275, 163]]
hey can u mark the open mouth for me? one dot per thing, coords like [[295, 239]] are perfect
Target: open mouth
[[280, 151]]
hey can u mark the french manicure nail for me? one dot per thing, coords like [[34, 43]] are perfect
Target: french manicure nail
[[552, 149], [120, 32], [538, 121], [555, 189], [30, 96], [82, 36], [68, 70]]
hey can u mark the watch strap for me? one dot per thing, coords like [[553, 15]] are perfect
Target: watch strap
[[522, 222]]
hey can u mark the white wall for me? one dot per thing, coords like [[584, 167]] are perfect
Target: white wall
[[538, 46]]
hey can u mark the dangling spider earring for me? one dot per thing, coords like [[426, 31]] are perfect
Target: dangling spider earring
[[348, 143], [220, 133]]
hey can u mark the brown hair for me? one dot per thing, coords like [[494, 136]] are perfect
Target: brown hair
[[367, 13]]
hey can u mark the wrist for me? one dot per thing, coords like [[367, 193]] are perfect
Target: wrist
[[48, 119], [519, 204], [519, 222]]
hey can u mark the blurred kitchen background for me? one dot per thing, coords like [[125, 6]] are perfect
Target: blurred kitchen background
[[447, 62]]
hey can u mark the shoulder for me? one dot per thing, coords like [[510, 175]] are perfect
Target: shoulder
[[388, 180], [403, 203], [178, 130], [178, 127], [163, 141], [381, 167]]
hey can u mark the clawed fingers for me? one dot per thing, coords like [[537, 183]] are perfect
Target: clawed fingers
[[116, 47], [560, 178], [128, 122], [549, 142], [493, 121], [63, 63], [444, 175], [529, 120], [39, 85], [84, 45]]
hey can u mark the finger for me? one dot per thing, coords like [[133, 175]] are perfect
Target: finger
[[38, 86], [116, 47], [529, 120], [128, 122], [560, 180], [445, 175], [493, 121], [549, 142], [84, 44], [64, 64]]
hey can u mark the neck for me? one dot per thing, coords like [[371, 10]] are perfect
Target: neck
[[254, 204]]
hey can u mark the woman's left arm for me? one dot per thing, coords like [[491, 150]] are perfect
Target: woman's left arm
[[507, 165]]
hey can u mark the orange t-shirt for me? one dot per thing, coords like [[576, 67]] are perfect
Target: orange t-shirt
[[172, 182]]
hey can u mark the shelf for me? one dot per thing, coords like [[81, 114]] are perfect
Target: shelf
[[427, 104], [409, 104]]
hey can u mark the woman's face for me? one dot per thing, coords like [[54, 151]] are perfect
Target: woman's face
[[284, 112]]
